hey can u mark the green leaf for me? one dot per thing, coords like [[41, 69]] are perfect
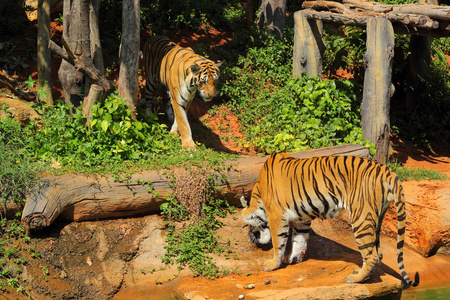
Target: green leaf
[[140, 135], [104, 125], [108, 117], [138, 125], [441, 56]]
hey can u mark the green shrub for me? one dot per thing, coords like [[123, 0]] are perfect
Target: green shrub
[[18, 172], [345, 49], [194, 205], [282, 113], [112, 136]]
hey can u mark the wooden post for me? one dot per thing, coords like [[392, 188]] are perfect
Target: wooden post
[[95, 95], [308, 46], [129, 54], [43, 52], [378, 88]]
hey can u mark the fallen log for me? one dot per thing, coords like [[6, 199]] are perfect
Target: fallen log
[[88, 197]]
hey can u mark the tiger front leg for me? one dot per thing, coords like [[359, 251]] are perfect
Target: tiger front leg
[[181, 126], [280, 233]]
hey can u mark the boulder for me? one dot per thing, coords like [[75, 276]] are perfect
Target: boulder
[[427, 217], [18, 109]]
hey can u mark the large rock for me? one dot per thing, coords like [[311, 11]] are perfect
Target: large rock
[[18, 109], [427, 217]]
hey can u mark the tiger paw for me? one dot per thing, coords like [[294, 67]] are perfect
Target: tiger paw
[[174, 130], [295, 258], [190, 145], [355, 278], [270, 265]]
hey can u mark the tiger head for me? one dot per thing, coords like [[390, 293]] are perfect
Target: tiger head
[[206, 75], [259, 225]]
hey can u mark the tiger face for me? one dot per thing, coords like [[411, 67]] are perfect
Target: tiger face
[[206, 77], [259, 232]]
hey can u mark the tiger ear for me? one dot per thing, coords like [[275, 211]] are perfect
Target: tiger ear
[[219, 63], [195, 68]]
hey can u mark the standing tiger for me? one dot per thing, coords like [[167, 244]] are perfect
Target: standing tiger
[[180, 73], [291, 192]]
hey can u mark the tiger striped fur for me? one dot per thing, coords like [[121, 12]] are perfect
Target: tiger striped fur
[[291, 192], [180, 73]]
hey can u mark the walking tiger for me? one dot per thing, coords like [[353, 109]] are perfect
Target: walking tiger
[[180, 73], [291, 192]]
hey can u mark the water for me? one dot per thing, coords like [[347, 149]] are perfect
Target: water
[[433, 294]]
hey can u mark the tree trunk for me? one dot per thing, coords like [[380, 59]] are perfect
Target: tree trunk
[[129, 54], [85, 66], [96, 47], [378, 88], [84, 38], [419, 60], [43, 52], [272, 17], [87, 197], [71, 79], [249, 14]]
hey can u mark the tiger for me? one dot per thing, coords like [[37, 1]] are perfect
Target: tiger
[[180, 73], [290, 192]]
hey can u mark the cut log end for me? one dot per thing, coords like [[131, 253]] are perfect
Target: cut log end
[[36, 221]]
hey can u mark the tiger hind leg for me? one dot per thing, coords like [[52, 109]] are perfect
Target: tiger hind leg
[[367, 238], [369, 265], [168, 108], [300, 237], [145, 103]]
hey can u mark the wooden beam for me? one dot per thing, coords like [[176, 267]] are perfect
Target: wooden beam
[[378, 88], [87, 197], [425, 19]]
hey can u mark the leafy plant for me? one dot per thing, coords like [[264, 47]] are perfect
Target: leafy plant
[[18, 172], [111, 137], [191, 244], [345, 49], [280, 112], [427, 121]]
